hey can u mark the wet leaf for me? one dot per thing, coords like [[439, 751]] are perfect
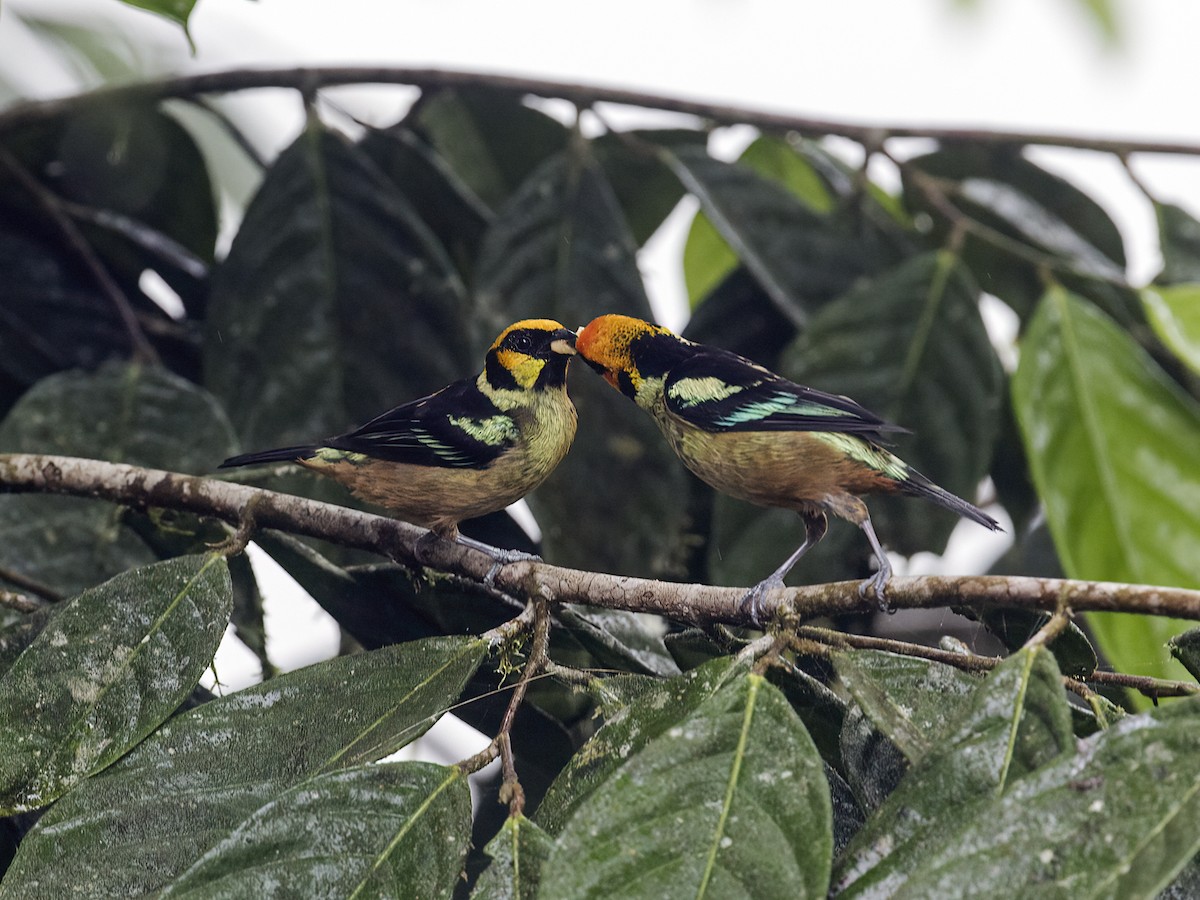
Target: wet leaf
[[157, 811], [1110, 441], [731, 800], [1175, 314], [517, 855], [104, 672], [395, 829]]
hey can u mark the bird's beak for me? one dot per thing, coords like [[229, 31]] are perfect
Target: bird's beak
[[564, 343]]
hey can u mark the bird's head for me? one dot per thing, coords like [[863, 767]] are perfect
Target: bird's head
[[634, 356], [530, 355]]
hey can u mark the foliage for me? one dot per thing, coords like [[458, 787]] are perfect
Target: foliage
[[374, 266]]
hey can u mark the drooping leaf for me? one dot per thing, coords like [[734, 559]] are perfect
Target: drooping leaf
[[1015, 721], [395, 829], [1118, 819], [489, 137], [121, 413], [708, 258], [153, 814], [104, 672], [335, 302], [517, 855], [791, 250], [1175, 314], [657, 709], [175, 10], [1074, 653], [619, 638], [1179, 235], [1110, 441], [909, 700], [730, 801], [1024, 203], [911, 346], [560, 248]]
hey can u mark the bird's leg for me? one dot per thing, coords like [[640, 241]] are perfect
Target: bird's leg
[[875, 585], [815, 525], [500, 557]]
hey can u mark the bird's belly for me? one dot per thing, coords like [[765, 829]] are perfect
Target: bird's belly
[[790, 469]]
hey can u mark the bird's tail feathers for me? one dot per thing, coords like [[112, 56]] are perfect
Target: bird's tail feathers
[[920, 486], [281, 454]]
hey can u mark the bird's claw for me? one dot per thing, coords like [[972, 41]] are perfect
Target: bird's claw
[[751, 604], [875, 588], [502, 558]]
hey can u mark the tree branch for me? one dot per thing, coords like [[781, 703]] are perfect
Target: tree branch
[[307, 80], [697, 604]]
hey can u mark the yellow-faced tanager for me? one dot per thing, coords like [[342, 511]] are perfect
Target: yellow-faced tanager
[[756, 436], [471, 448]]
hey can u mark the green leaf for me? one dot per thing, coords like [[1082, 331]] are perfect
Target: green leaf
[[560, 248], [334, 303], [617, 638], [708, 258], [628, 730], [731, 801], [1111, 442], [153, 814], [1015, 721], [490, 138], [786, 245], [1001, 189], [1118, 819], [1185, 647], [175, 10], [1013, 627], [517, 855], [911, 346], [104, 672], [1175, 314], [395, 829], [908, 700], [1179, 233], [121, 413]]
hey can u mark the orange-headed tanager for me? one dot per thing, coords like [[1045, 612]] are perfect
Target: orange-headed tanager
[[470, 449], [757, 436]]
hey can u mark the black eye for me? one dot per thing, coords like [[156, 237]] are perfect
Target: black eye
[[522, 341]]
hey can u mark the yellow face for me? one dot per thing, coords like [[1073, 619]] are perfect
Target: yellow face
[[525, 348]]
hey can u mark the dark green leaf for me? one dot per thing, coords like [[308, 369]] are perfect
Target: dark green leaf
[[1015, 721], [490, 138], [739, 316], [175, 10], [708, 258], [389, 830], [560, 248], [730, 801], [872, 763], [1073, 651], [912, 347], [628, 730], [437, 193], [105, 671], [1185, 647], [1179, 234], [148, 818], [1111, 445], [692, 648], [1024, 203], [821, 710], [1175, 314], [792, 251], [335, 301], [617, 638], [645, 188], [1118, 819], [909, 700], [121, 413], [517, 855]]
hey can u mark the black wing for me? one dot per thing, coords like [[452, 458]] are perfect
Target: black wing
[[720, 391], [458, 427]]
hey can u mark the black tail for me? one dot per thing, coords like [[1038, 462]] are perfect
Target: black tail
[[282, 454], [920, 486]]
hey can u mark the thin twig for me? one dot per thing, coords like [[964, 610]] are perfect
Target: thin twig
[[48, 202], [511, 791], [309, 79], [22, 603], [32, 585]]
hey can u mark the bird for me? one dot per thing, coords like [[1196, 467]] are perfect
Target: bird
[[469, 449], [755, 435]]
